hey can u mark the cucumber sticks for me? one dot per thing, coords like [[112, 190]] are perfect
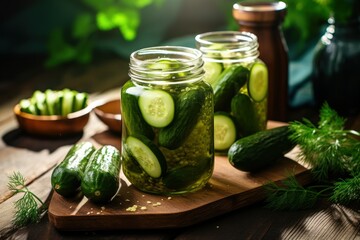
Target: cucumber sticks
[[54, 102]]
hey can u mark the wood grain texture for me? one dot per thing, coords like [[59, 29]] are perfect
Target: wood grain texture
[[227, 190]]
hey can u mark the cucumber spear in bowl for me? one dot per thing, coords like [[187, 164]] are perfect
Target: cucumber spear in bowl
[[54, 102]]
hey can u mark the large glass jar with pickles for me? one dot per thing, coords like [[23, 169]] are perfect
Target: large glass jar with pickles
[[240, 83], [167, 115]]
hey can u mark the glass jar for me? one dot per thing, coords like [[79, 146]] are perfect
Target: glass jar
[[167, 115], [240, 83], [264, 19]]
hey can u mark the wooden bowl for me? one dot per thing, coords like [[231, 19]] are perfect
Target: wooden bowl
[[55, 125], [110, 114]]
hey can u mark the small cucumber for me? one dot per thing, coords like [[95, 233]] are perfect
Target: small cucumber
[[258, 82], [135, 123], [147, 154], [187, 109], [66, 177], [157, 107], [101, 179], [243, 110], [225, 132], [228, 85], [261, 149]]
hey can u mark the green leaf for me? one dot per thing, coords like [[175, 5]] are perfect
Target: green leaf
[[126, 20], [59, 50], [84, 26], [137, 3]]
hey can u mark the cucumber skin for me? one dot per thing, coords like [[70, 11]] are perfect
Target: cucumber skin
[[229, 83], [66, 177], [187, 109], [131, 114], [101, 179], [245, 114], [261, 149], [182, 177]]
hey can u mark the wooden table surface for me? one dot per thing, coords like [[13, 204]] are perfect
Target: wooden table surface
[[36, 157]]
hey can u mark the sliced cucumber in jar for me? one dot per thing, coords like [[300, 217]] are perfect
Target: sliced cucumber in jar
[[147, 154], [258, 82], [225, 132], [212, 72], [157, 107]]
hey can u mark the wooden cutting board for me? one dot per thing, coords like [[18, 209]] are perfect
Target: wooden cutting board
[[227, 190]]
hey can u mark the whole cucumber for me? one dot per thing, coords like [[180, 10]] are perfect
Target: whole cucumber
[[66, 177], [261, 149], [101, 179]]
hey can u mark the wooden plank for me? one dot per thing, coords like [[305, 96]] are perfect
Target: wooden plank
[[228, 189]]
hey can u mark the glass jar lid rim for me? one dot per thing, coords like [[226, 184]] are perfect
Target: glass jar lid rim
[[192, 53], [240, 36]]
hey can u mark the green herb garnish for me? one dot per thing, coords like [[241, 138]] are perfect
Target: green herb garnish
[[27, 209], [334, 156]]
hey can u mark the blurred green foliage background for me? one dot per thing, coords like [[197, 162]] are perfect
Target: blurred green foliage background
[[83, 31]]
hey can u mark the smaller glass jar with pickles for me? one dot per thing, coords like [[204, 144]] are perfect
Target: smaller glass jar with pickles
[[167, 115], [240, 83]]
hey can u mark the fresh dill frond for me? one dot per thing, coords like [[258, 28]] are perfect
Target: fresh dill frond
[[27, 209], [329, 119], [333, 154], [328, 148], [290, 195], [347, 191]]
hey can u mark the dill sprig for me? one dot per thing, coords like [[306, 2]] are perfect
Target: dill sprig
[[332, 153], [290, 195], [27, 209], [347, 191], [328, 148]]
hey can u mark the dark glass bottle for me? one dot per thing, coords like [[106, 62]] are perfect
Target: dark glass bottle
[[336, 77]]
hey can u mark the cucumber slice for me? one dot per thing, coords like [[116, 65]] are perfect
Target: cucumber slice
[[27, 106], [164, 64], [39, 101], [212, 71], [67, 103], [157, 107], [147, 154], [58, 103], [224, 131], [50, 99], [80, 101], [258, 82]]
